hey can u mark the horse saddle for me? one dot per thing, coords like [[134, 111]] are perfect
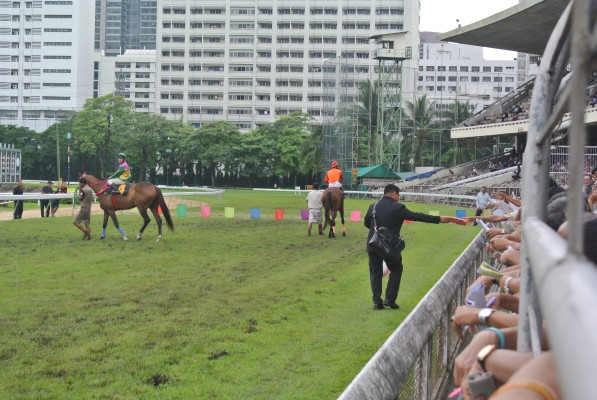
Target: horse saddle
[[119, 190]]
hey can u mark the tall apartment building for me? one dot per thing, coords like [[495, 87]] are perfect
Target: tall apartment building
[[250, 62], [122, 25], [46, 67], [450, 71], [131, 75]]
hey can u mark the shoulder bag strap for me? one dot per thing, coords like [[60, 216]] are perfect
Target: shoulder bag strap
[[374, 221]]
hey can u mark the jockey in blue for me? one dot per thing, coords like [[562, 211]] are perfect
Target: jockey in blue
[[122, 174]]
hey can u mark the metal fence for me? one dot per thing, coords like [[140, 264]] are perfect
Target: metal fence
[[415, 361]]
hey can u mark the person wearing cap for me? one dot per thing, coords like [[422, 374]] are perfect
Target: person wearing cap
[[44, 205], [55, 203], [122, 174], [334, 176], [85, 195]]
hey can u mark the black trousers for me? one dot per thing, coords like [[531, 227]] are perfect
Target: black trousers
[[44, 207], [376, 275], [18, 212]]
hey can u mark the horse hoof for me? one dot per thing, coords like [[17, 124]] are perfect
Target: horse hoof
[[157, 241], [125, 238], [138, 237], [102, 237], [343, 233]]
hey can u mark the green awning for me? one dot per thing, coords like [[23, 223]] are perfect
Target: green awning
[[377, 171]]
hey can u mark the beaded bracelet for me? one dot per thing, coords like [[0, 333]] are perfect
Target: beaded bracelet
[[533, 386]]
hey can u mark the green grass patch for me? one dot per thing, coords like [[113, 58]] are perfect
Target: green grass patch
[[221, 308]]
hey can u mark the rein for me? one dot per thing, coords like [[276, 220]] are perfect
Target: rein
[[105, 182]]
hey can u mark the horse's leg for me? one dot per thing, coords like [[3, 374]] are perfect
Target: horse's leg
[[118, 228], [333, 225], [146, 221], [341, 210], [158, 220], [106, 215]]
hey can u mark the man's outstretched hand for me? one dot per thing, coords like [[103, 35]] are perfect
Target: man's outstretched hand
[[453, 220]]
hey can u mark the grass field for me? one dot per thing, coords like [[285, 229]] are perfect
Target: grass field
[[220, 309]]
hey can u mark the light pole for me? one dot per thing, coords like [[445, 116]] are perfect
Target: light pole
[[168, 151], [68, 138], [58, 155]]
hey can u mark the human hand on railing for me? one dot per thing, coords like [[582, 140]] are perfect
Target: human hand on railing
[[502, 301], [465, 317], [486, 281], [501, 244], [468, 357], [493, 232], [464, 383], [510, 257]]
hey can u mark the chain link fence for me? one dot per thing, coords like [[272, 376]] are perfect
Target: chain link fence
[[415, 361]]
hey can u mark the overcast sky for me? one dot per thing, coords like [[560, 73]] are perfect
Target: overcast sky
[[441, 16]]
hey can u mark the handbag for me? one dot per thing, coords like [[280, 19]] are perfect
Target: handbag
[[385, 243]]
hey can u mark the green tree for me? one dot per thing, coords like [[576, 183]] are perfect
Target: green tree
[[55, 136], [255, 149], [367, 111], [419, 122], [457, 113], [216, 145], [142, 142], [287, 136], [29, 142], [312, 153], [182, 158], [100, 127]]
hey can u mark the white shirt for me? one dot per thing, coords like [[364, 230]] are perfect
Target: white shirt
[[482, 200], [314, 200]]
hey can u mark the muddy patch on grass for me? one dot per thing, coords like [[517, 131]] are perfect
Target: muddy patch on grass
[[218, 354], [158, 379]]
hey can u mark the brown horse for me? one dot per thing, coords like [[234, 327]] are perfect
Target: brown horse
[[142, 195], [333, 202]]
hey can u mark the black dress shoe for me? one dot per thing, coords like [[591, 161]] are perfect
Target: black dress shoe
[[391, 305], [378, 306]]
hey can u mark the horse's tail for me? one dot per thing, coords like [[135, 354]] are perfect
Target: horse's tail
[[328, 201], [160, 202]]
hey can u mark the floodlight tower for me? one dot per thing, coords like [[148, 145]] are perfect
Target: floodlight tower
[[391, 51]]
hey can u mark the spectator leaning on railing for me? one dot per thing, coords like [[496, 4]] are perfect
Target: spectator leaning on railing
[[491, 357]]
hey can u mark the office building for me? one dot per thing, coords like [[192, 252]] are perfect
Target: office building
[[451, 71], [46, 68], [250, 62], [122, 25]]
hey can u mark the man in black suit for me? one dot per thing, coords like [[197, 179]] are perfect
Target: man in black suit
[[391, 214], [18, 211]]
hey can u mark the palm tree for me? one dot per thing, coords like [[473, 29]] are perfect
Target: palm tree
[[455, 115], [419, 122], [367, 115], [312, 152]]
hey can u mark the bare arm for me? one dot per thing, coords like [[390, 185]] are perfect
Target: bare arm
[[536, 375], [469, 316]]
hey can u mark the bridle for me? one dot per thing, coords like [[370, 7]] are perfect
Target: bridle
[[91, 185]]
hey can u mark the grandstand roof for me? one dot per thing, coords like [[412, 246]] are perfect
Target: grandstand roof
[[376, 171], [524, 28]]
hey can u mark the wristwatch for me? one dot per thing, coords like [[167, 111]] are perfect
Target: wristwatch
[[484, 314], [483, 354]]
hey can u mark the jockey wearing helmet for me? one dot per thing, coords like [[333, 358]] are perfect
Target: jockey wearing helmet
[[122, 175], [334, 176]]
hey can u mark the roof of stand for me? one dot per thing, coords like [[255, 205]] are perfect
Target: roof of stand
[[524, 28]]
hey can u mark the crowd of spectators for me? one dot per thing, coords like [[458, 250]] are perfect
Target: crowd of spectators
[[490, 367]]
